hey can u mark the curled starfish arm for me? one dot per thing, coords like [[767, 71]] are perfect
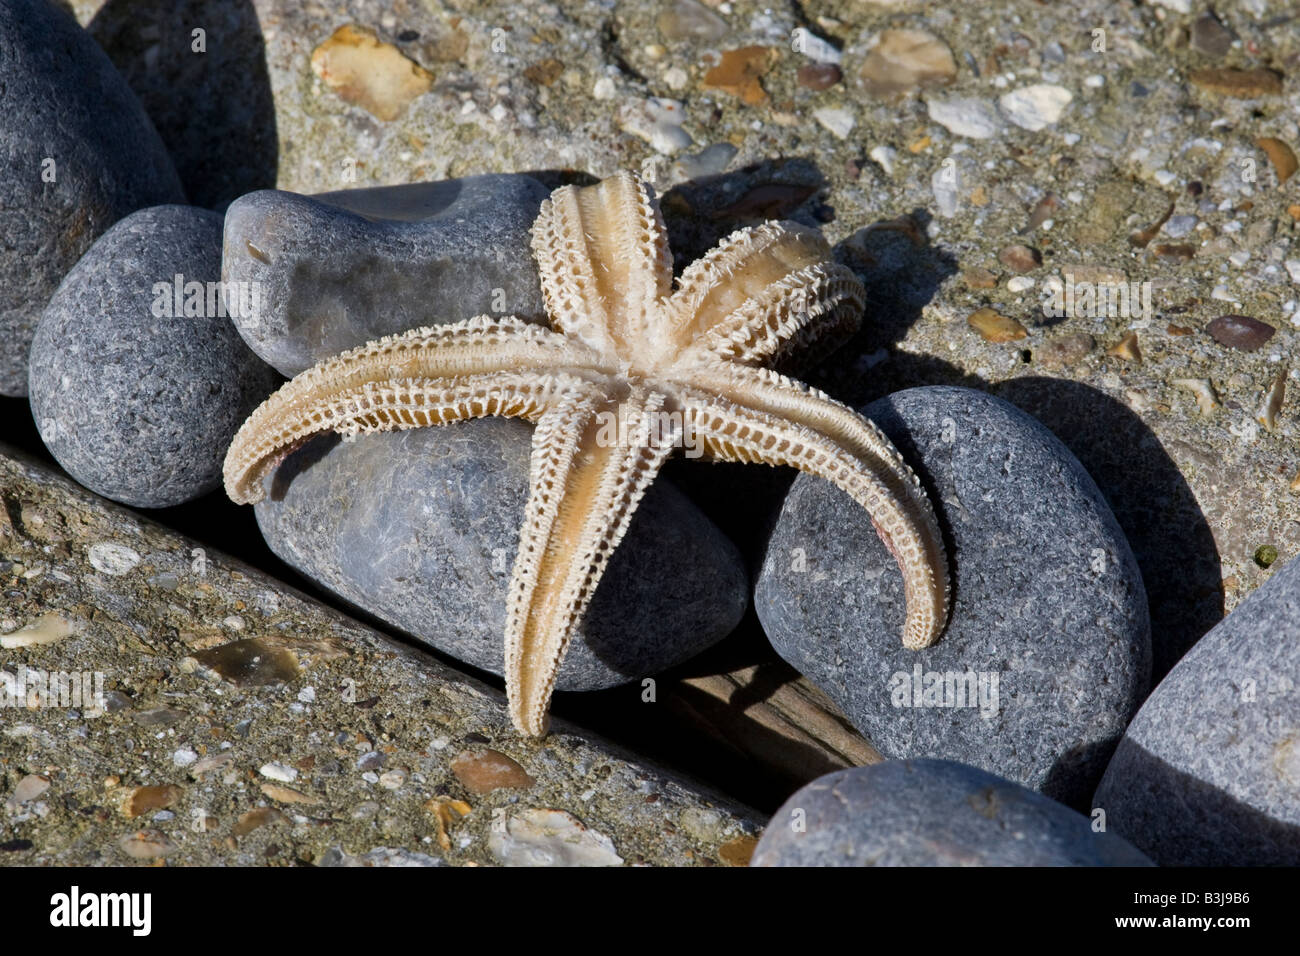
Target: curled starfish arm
[[429, 376], [755, 415], [603, 261], [586, 483], [803, 314], [763, 293]]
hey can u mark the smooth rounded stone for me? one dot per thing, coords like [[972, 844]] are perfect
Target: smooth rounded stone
[[341, 269], [420, 528], [77, 153], [1208, 772], [137, 406], [1047, 651], [932, 813]]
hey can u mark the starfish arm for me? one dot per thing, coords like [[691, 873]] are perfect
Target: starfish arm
[[762, 292], [428, 376], [736, 413], [603, 260], [585, 485]]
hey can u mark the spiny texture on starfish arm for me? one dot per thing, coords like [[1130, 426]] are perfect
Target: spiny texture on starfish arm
[[630, 371]]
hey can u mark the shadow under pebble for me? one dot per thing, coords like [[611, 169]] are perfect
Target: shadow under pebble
[[1151, 500], [199, 69]]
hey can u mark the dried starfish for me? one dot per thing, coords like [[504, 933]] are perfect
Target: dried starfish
[[631, 371]]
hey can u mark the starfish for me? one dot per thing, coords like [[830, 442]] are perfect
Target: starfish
[[631, 371]]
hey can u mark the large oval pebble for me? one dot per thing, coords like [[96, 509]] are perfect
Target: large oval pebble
[[420, 528], [1208, 773], [137, 399], [932, 813], [1047, 652]]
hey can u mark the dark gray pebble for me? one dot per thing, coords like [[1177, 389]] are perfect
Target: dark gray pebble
[[140, 406], [1047, 652]]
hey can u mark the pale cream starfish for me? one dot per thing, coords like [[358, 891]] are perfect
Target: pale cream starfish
[[631, 371]]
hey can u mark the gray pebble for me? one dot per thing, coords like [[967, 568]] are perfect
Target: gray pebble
[[1047, 652], [340, 269], [137, 406], [77, 153], [932, 813], [420, 528], [1208, 773]]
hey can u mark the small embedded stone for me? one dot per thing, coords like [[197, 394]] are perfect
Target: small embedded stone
[[818, 76], [993, 326], [739, 71], [1178, 251], [144, 800], [1238, 84], [255, 820], [966, 116], [281, 794], [1241, 332], [1271, 402], [541, 836], [1210, 36], [1127, 349], [900, 61], [1019, 258], [544, 72], [1280, 155], [146, 845], [28, 789], [1043, 211], [1203, 391], [738, 852], [482, 771], [1065, 350], [364, 70], [250, 663], [1035, 107], [690, 20]]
